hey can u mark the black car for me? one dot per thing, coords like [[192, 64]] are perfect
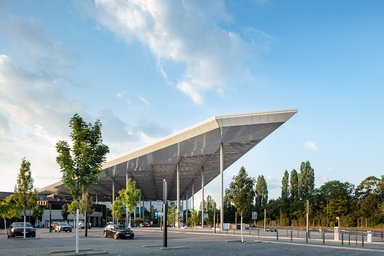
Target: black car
[[63, 227], [118, 231], [17, 229]]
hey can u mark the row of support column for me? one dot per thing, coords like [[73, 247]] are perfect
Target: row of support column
[[221, 199]]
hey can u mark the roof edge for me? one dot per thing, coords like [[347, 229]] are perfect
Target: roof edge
[[206, 126]]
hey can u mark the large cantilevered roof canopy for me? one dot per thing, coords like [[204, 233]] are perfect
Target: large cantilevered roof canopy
[[188, 152]]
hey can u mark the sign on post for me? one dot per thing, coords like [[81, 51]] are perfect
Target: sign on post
[[254, 215]]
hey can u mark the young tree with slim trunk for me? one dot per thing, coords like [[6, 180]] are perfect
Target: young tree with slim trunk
[[8, 210], [241, 194], [81, 164], [25, 195], [117, 208], [130, 195], [86, 207]]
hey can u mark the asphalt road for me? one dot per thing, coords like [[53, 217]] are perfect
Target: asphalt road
[[149, 241]]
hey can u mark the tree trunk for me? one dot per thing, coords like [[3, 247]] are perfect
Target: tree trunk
[[241, 228], [86, 223], [24, 225], [5, 226]]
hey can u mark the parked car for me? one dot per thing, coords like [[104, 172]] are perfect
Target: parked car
[[82, 225], [17, 229], [145, 224], [52, 226], [271, 229], [63, 227], [118, 231]]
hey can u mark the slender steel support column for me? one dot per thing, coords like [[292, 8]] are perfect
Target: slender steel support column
[[186, 209], [178, 196], [193, 197], [140, 207], [113, 196], [165, 213], [127, 224], [221, 188], [202, 198]]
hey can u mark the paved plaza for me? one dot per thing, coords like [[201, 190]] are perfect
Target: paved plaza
[[149, 241]]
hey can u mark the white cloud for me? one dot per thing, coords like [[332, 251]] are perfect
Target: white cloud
[[311, 145], [183, 32], [144, 100], [34, 109]]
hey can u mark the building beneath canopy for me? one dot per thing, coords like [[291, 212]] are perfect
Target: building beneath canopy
[[187, 160]]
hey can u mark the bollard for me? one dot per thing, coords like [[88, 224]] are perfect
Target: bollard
[[277, 235], [356, 236], [349, 238], [362, 239], [323, 237], [291, 235], [342, 238], [381, 236], [306, 237]]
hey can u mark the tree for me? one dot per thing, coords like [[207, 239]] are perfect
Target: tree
[[337, 198], [229, 210], [86, 207], [306, 180], [294, 185], [130, 195], [117, 208], [8, 210], [25, 195], [261, 193], [81, 164], [285, 186], [194, 218], [172, 214], [65, 212], [209, 208], [72, 207], [285, 204], [370, 185], [241, 194]]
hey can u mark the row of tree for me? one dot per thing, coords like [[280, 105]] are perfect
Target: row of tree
[[361, 205]]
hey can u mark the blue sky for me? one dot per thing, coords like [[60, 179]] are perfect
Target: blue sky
[[147, 69]]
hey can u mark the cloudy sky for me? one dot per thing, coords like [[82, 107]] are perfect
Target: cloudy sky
[[147, 69]]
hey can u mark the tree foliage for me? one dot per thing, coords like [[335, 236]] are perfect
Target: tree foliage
[[285, 186], [172, 214], [209, 208], [81, 164], [241, 193], [8, 209], [294, 185], [261, 193], [86, 204], [194, 218], [25, 195], [306, 180], [130, 195], [117, 208]]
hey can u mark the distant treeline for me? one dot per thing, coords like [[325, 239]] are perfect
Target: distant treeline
[[356, 206]]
